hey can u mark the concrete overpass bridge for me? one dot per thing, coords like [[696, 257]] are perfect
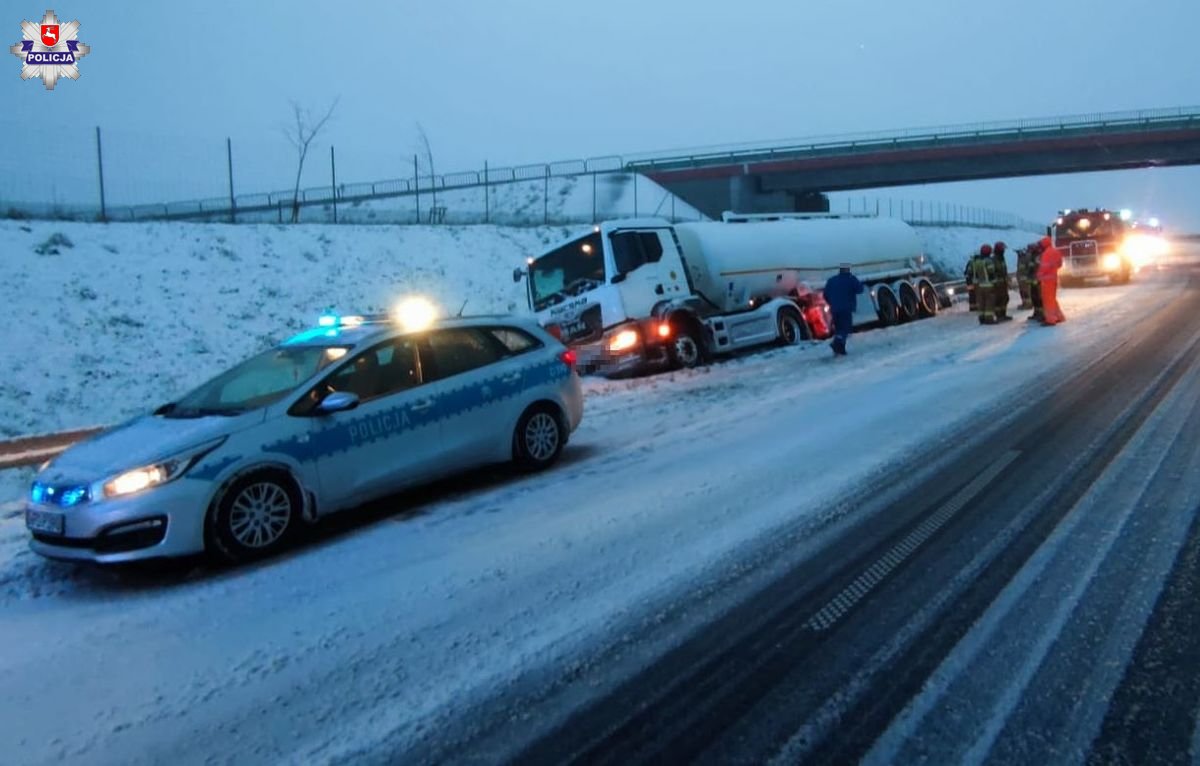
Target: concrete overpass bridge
[[793, 175]]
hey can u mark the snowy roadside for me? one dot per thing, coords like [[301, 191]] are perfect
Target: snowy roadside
[[394, 628]]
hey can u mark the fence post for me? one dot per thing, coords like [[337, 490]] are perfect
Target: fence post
[[890, 208], [546, 198], [333, 180], [417, 186], [100, 168], [229, 162], [487, 195]]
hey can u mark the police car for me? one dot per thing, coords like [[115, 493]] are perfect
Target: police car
[[356, 408]]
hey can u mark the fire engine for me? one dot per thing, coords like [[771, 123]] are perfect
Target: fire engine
[[1103, 244]]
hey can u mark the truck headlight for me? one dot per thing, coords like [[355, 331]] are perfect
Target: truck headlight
[[624, 340], [1111, 262], [147, 476]]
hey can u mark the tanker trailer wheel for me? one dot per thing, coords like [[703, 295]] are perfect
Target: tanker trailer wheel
[[791, 329], [887, 308], [686, 349], [929, 299], [910, 304]]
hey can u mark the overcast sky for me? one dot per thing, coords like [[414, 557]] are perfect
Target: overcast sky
[[535, 80]]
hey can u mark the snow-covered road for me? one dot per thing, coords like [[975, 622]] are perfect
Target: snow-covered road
[[388, 631]]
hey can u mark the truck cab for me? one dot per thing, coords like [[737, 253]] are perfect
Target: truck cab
[[603, 286]]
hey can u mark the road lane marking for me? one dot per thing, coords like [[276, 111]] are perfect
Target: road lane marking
[[844, 601]]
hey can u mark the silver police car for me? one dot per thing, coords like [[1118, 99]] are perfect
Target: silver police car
[[356, 408]]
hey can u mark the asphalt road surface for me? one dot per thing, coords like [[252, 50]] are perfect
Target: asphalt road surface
[[1031, 602]]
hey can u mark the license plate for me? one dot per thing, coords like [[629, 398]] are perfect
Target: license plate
[[44, 521]]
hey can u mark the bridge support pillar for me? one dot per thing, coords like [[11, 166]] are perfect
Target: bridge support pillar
[[745, 194]]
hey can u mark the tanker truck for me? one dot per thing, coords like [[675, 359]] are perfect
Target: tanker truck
[[636, 295]]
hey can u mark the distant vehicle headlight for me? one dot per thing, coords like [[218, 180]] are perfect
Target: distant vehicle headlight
[[1112, 262], [155, 474]]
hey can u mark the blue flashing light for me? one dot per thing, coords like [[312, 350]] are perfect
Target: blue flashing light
[[73, 496], [315, 333], [328, 320], [38, 493]]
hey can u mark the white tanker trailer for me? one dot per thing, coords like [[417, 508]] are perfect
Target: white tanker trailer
[[636, 294]]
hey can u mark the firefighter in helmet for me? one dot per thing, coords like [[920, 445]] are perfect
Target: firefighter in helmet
[[1049, 263], [983, 275], [968, 278], [1023, 256], [1001, 288], [1035, 288]]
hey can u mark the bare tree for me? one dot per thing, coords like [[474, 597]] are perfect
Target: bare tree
[[424, 149], [301, 133]]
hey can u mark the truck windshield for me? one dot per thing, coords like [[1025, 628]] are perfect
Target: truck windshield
[[574, 268], [1086, 227]]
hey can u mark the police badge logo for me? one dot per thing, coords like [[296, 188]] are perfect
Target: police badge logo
[[50, 50]]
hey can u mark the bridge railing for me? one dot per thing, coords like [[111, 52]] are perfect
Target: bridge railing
[[869, 140]]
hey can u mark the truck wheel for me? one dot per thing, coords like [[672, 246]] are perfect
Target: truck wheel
[[791, 329], [685, 349], [889, 309], [910, 304], [929, 300]]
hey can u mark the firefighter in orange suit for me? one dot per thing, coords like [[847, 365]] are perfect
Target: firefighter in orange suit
[[1047, 275]]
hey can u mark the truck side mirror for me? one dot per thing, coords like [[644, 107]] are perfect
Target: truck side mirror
[[617, 278], [517, 274]]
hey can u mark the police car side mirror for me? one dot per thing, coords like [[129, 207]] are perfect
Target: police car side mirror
[[517, 274], [338, 401], [618, 278]]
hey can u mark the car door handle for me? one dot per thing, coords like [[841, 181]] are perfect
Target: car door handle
[[512, 377], [422, 405]]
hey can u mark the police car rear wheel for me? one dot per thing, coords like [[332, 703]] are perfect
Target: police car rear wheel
[[255, 516], [539, 439]]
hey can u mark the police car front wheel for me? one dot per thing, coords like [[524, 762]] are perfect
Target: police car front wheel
[[539, 438], [255, 516]]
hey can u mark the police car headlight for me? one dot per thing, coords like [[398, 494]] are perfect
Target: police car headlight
[[155, 474]]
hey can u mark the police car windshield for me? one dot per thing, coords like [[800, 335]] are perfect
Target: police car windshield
[[576, 267], [256, 382]]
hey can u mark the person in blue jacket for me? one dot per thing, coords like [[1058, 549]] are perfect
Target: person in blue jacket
[[841, 293]]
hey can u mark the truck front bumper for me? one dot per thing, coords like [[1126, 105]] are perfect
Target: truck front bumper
[[599, 359]]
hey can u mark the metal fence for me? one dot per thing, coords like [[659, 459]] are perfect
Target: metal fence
[[572, 191]]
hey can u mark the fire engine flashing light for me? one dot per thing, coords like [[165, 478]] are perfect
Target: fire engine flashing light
[[1154, 222], [1126, 214]]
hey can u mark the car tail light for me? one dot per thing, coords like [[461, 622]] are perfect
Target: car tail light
[[568, 358], [554, 330]]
